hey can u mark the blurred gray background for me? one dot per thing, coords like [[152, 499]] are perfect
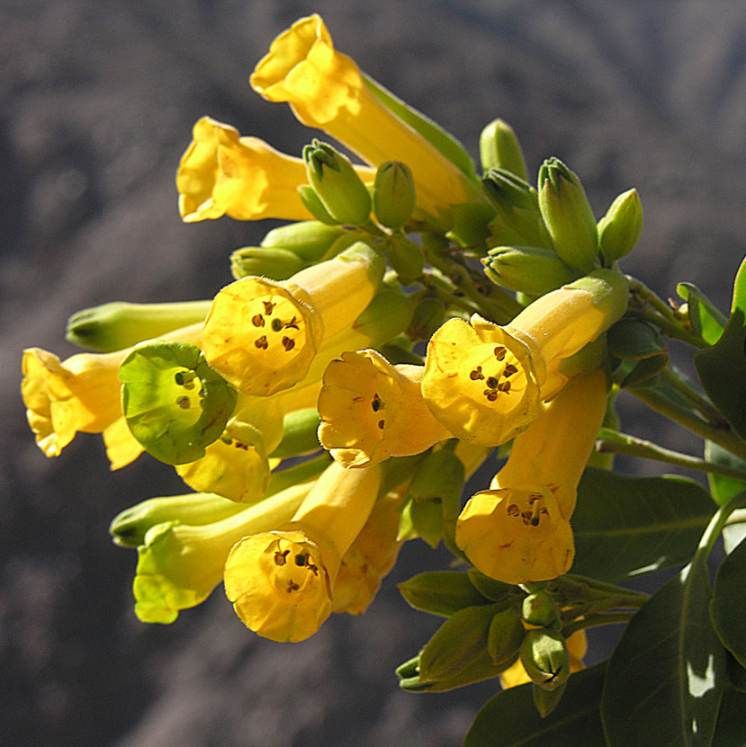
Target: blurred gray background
[[98, 99]]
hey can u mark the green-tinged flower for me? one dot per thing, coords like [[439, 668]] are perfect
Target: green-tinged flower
[[499, 149], [174, 403], [393, 194], [117, 325], [527, 269], [539, 610], [179, 564], [620, 228], [568, 215], [273, 263], [545, 658], [338, 186]]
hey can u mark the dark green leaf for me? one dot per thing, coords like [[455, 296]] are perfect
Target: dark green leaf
[[728, 607], [641, 371], [723, 488], [736, 673], [731, 728], [706, 319], [722, 368], [440, 592], [634, 339], [512, 718], [505, 635], [664, 682], [490, 588], [625, 526]]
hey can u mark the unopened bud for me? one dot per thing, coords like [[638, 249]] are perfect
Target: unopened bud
[[393, 194], [509, 190], [620, 228], [499, 149], [308, 239], [405, 257], [268, 262], [118, 325], [338, 186], [539, 610], [312, 203], [545, 658], [568, 215], [527, 269]]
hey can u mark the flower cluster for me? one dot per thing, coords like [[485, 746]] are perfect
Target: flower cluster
[[332, 401]]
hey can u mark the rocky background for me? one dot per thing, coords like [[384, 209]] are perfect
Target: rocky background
[[97, 101]]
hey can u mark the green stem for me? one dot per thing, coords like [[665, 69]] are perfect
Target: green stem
[[623, 443], [595, 621], [715, 527]]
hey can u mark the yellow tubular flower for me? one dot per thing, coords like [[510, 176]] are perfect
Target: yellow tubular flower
[[326, 90], [262, 335], [122, 448], [179, 565], [79, 394], [371, 410], [370, 557], [486, 383], [280, 582], [519, 530], [577, 646]]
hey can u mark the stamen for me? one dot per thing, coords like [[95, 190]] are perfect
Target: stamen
[[381, 424], [183, 402], [509, 370], [288, 344], [292, 324], [513, 510], [504, 387], [269, 307], [292, 586], [281, 557], [261, 342], [257, 320], [490, 394], [476, 374], [500, 352], [492, 382]]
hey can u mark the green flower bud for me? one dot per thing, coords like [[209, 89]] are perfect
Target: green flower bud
[[471, 224], [312, 203], [527, 269], [545, 658], [620, 228], [499, 149], [393, 194], [340, 189], [129, 527], [440, 592], [309, 239], [539, 610], [568, 215], [118, 325], [386, 316], [274, 263], [507, 189], [428, 316], [299, 433], [505, 635], [174, 403], [405, 257]]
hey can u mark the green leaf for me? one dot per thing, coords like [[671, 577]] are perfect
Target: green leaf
[[441, 592], [722, 368], [706, 319], [666, 677], [634, 339], [174, 403], [723, 488], [731, 731], [728, 606], [431, 131], [626, 526], [505, 635], [490, 588], [574, 723]]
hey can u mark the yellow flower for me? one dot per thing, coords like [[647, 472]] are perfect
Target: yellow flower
[[371, 410], [242, 177], [327, 90], [262, 335], [79, 394], [486, 383], [370, 557], [122, 448], [519, 530], [179, 565], [280, 581], [577, 646]]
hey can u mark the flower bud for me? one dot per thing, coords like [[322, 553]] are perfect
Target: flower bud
[[312, 202], [405, 257], [117, 325], [568, 215], [273, 263], [393, 194], [441, 592], [539, 610], [619, 229], [333, 178], [545, 658], [309, 239], [509, 190], [499, 149], [527, 269], [505, 635]]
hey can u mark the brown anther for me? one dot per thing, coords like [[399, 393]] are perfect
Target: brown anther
[[269, 307], [533, 498], [504, 387], [257, 320], [292, 324], [183, 402], [500, 352], [288, 344], [261, 342], [490, 394], [292, 586], [510, 369], [513, 510], [376, 403], [476, 374], [491, 382], [381, 423], [281, 557], [227, 440], [314, 569], [276, 325]]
